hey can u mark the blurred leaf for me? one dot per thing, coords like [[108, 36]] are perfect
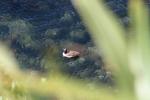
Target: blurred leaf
[[7, 62], [109, 36], [140, 47]]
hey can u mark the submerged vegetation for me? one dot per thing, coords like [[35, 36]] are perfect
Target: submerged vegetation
[[124, 50], [34, 29]]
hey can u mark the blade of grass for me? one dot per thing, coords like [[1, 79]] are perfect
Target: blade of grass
[[140, 47], [140, 29], [108, 36]]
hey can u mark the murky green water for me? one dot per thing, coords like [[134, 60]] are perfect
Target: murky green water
[[37, 28]]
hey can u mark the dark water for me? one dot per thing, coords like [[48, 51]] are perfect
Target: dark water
[[34, 27]]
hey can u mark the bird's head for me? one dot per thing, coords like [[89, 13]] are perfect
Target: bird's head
[[65, 50]]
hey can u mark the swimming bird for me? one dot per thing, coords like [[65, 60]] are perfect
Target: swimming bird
[[70, 53]]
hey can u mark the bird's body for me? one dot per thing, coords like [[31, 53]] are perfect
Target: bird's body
[[70, 54]]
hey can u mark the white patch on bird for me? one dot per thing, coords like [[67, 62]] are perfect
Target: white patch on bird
[[65, 55]]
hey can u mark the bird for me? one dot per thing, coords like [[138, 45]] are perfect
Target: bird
[[70, 53]]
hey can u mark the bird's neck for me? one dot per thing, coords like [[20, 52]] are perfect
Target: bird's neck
[[66, 51]]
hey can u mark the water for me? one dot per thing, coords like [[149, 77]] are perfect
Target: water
[[31, 27]]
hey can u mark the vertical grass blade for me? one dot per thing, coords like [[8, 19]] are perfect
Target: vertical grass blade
[[140, 48], [109, 36]]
